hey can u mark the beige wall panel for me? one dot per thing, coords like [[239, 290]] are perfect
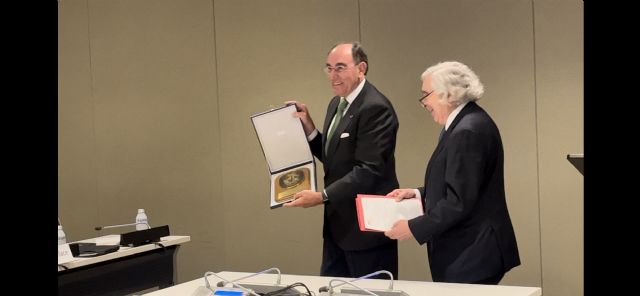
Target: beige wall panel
[[560, 84], [76, 138], [155, 98], [156, 121], [268, 52], [495, 38]]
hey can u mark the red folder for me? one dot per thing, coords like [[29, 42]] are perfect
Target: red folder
[[361, 212]]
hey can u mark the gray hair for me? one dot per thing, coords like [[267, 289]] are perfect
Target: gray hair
[[455, 82]]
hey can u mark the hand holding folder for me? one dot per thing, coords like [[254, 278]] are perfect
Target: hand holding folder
[[378, 212]]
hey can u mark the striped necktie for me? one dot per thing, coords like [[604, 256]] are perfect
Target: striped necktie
[[339, 113]]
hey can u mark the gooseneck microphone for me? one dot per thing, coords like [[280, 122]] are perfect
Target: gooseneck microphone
[[122, 225], [272, 270], [329, 288], [350, 283], [208, 285]]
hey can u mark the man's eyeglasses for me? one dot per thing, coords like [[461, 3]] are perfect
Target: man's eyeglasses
[[337, 69], [424, 96]]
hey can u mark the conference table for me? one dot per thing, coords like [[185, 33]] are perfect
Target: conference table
[[126, 271], [314, 283]]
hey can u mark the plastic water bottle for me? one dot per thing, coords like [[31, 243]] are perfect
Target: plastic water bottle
[[62, 238], [142, 218]]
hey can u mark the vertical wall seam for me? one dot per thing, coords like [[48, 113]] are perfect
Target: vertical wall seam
[[93, 114], [217, 99], [359, 23], [535, 100]]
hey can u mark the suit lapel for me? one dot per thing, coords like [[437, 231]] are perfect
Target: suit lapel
[[331, 111], [344, 123], [470, 107], [354, 107]]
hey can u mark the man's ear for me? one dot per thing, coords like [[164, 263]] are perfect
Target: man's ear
[[363, 67]]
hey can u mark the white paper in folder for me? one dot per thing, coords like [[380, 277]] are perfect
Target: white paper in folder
[[285, 147], [378, 213]]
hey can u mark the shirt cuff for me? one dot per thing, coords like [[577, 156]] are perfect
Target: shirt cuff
[[313, 135], [325, 198]]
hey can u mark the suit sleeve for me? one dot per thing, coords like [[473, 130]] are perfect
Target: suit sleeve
[[316, 146], [466, 158], [422, 192], [376, 138]]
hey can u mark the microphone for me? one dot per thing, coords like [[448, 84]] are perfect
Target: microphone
[[272, 270], [350, 283], [263, 288], [235, 285], [329, 288], [121, 225]]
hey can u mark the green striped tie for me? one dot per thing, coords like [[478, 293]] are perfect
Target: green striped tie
[[338, 116]]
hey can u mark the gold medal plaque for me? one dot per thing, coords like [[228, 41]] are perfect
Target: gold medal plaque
[[289, 183]]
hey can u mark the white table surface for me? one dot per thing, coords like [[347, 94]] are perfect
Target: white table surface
[[123, 251], [413, 288]]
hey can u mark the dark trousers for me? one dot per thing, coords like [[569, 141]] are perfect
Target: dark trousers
[[337, 262], [494, 280]]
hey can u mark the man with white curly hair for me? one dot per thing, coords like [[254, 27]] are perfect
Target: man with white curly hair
[[466, 225]]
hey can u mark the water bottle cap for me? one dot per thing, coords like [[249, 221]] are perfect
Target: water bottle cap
[[59, 227], [140, 211]]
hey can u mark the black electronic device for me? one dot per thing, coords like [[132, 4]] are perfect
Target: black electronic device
[[145, 236], [90, 249]]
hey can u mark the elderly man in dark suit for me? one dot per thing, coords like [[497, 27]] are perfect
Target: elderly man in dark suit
[[466, 224], [356, 147]]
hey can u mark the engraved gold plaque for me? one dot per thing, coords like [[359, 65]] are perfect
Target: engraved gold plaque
[[291, 182]]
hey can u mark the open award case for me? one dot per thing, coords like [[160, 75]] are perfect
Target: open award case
[[285, 147]]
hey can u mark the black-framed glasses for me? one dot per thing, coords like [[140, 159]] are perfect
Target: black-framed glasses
[[424, 96]]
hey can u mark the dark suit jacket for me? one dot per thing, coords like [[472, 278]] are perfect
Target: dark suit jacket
[[466, 224], [362, 162]]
